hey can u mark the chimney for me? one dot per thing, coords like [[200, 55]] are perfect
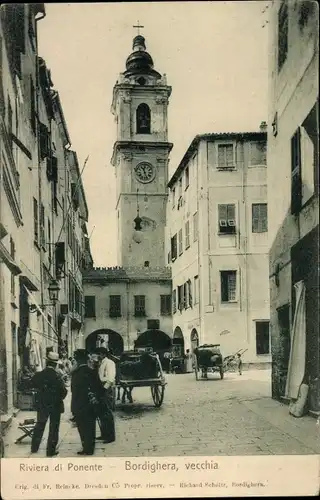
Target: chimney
[[263, 126]]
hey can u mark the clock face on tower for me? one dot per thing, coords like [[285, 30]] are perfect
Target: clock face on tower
[[145, 172]]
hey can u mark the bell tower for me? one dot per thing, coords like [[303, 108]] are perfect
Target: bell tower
[[140, 157]]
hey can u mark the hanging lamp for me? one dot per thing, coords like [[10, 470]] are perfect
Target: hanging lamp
[[137, 233]]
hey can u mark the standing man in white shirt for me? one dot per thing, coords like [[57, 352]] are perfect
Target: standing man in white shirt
[[107, 375]]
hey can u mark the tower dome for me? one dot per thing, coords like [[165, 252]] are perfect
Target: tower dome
[[140, 61]]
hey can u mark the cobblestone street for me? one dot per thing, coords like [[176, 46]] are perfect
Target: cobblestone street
[[234, 416]]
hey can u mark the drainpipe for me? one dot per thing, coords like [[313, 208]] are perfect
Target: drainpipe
[[37, 91], [245, 239], [199, 248], [128, 315]]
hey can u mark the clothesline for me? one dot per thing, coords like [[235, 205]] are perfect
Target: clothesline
[[42, 334], [40, 310]]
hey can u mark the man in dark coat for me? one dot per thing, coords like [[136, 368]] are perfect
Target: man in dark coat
[[51, 392], [86, 394]]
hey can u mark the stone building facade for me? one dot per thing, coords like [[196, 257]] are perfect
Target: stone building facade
[[293, 187], [141, 288], [217, 244], [127, 303], [39, 173]]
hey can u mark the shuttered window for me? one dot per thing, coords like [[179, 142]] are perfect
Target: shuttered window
[[139, 305], [174, 301], [296, 184], [174, 248], [35, 220], [165, 305], [259, 217], [180, 242], [226, 155], [195, 227], [42, 227], [187, 233]]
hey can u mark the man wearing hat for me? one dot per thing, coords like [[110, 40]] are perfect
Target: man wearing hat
[[107, 376], [51, 392], [86, 395]]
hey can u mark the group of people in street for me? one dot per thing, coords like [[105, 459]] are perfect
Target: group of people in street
[[92, 395], [181, 363]]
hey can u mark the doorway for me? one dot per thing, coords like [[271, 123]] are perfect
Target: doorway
[[284, 345], [194, 338]]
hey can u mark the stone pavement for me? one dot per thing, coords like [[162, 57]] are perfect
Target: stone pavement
[[234, 416]]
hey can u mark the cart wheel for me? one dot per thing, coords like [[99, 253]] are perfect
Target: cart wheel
[[196, 369], [221, 372], [157, 392]]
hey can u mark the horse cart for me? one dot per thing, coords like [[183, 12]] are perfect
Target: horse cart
[[141, 369], [208, 358]]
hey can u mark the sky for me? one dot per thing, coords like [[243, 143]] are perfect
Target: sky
[[213, 53]]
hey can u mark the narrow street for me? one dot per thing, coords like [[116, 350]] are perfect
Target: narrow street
[[234, 416]]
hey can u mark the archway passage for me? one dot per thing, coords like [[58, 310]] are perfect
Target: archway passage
[[105, 337], [178, 339], [157, 339], [194, 338]]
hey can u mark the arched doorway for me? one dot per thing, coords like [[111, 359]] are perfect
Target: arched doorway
[[178, 339], [194, 339], [105, 337], [157, 339]]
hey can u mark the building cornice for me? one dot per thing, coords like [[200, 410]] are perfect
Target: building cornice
[[104, 275], [234, 136], [125, 86], [134, 146]]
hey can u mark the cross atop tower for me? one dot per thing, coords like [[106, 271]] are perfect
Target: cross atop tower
[[138, 26]]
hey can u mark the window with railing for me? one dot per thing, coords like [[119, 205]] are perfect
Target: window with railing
[[226, 218]]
